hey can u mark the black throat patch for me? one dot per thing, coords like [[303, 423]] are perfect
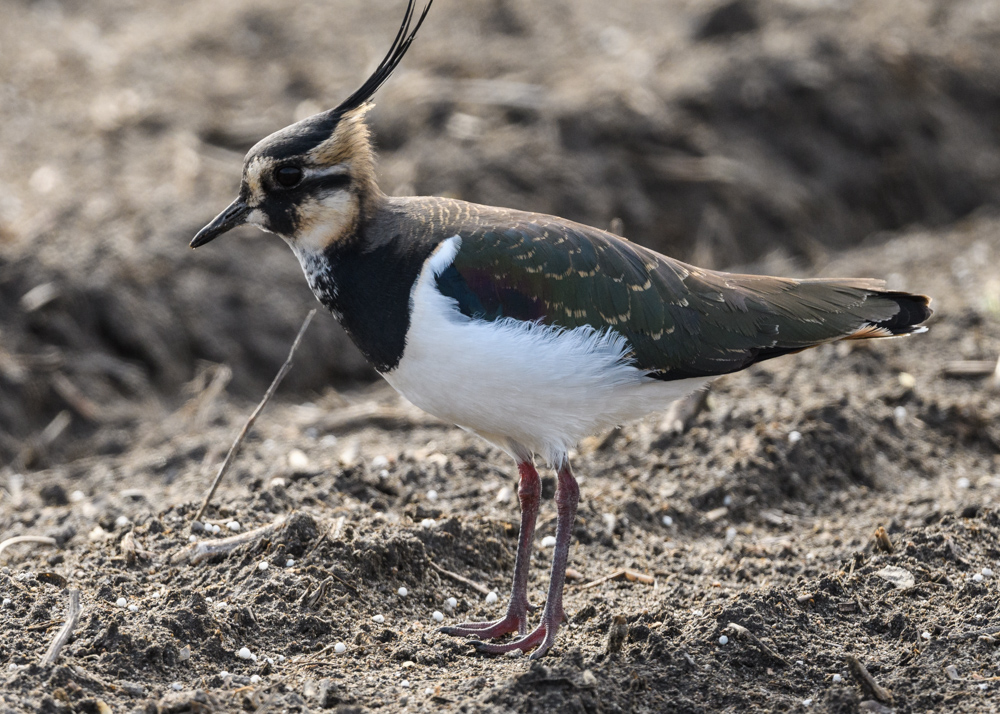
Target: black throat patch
[[369, 293]]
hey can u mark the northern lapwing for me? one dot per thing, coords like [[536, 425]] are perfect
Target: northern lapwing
[[529, 330]]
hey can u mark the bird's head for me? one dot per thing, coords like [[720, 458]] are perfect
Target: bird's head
[[309, 182]]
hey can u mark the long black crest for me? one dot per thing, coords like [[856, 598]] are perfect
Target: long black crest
[[388, 64]]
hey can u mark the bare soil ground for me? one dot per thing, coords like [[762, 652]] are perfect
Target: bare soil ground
[[783, 135]]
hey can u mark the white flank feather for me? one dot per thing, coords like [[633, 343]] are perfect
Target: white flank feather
[[526, 387]]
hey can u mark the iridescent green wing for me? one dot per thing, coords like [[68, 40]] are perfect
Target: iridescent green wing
[[679, 320]]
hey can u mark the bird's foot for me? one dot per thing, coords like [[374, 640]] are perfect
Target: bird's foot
[[511, 622], [542, 638]]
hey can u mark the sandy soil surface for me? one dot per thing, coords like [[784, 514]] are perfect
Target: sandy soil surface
[[789, 137]]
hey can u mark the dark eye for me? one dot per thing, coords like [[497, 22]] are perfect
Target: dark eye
[[288, 176]]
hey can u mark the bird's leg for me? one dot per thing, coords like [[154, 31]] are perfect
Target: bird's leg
[[529, 491], [544, 636]]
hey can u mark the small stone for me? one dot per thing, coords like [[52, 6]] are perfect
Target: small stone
[[794, 437], [492, 598], [907, 380], [121, 522], [504, 494], [727, 501], [379, 462], [297, 460], [192, 538], [290, 562], [269, 660], [233, 526], [379, 619], [177, 686], [133, 608], [432, 495], [807, 702], [77, 496], [977, 578], [262, 565], [427, 523], [926, 635], [197, 526], [987, 573], [121, 602], [548, 541], [281, 658], [403, 592], [6, 602], [12, 666], [216, 528], [278, 483], [405, 683], [223, 674], [438, 617], [837, 679], [185, 653], [244, 653], [340, 648], [899, 577], [450, 604], [899, 416], [254, 679], [723, 640], [667, 521]]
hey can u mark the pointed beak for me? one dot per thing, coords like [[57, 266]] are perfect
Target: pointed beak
[[234, 215]]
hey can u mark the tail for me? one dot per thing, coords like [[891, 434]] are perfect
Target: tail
[[911, 312]]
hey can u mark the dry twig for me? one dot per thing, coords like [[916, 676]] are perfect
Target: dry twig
[[234, 449], [460, 579], [196, 552], [867, 681], [626, 573], [744, 634], [44, 540], [66, 631]]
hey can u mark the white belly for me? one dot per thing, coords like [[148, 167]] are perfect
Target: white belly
[[527, 388]]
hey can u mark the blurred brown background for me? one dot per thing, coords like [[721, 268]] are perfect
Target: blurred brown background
[[717, 132]]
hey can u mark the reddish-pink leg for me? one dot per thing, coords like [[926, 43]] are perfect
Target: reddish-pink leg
[[544, 636], [529, 491]]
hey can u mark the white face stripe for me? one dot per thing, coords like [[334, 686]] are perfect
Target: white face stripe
[[324, 171]]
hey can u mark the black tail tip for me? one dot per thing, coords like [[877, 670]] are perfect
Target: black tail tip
[[914, 310]]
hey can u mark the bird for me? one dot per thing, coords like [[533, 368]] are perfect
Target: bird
[[528, 330]]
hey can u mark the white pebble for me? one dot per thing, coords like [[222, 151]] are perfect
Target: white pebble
[[794, 437], [380, 462], [379, 619], [984, 686], [262, 565], [77, 496], [223, 674], [281, 658], [504, 494], [209, 599], [492, 598], [438, 617], [668, 521], [121, 521], [899, 416], [727, 501], [254, 679], [427, 523], [177, 686], [216, 528], [403, 592], [428, 692], [837, 679], [450, 604], [548, 541], [807, 702], [723, 640], [799, 662], [192, 538], [383, 473], [926, 635], [244, 653], [697, 613], [977, 578], [987, 573], [12, 666], [278, 482], [432, 495], [340, 648], [185, 653], [405, 683], [297, 460], [133, 608], [290, 562], [269, 660], [233, 525], [963, 483], [6, 602], [121, 602]]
